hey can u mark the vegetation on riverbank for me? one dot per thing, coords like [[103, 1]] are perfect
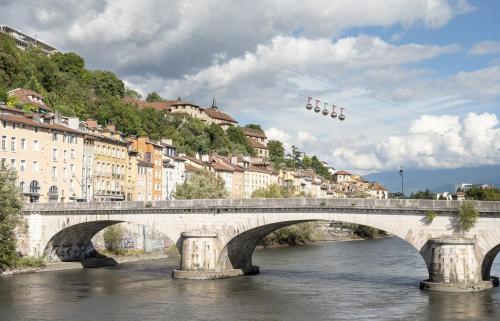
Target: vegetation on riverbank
[[10, 218]]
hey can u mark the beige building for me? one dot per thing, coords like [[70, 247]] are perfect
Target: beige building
[[231, 173], [256, 175], [46, 154], [258, 141]]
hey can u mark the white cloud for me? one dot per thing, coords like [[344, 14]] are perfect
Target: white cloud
[[431, 142], [485, 48]]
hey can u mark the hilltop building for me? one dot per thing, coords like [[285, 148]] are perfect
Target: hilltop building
[[24, 41], [258, 141]]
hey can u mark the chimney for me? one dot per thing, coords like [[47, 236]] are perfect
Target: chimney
[[205, 158], [91, 123], [197, 156], [234, 159]]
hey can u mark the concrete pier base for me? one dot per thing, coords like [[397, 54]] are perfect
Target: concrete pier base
[[453, 267]]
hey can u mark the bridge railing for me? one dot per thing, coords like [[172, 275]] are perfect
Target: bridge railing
[[268, 203]]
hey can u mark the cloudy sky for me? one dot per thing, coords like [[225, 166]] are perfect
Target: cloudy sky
[[420, 80]]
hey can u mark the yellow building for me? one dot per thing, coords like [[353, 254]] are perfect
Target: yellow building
[[110, 162]]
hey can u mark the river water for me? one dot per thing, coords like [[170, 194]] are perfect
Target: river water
[[356, 280]]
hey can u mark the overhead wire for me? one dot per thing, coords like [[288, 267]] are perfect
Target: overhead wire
[[201, 56]]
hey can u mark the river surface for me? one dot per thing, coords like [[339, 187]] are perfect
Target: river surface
[[356, 280]]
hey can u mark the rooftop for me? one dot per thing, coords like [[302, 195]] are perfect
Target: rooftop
[[254, 132], [213, 112]]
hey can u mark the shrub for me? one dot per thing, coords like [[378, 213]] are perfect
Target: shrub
[[113, 239], [429, 217], [466, 218], [34, 262]]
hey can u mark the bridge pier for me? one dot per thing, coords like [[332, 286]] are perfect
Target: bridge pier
[[199, 256], [453, 266]]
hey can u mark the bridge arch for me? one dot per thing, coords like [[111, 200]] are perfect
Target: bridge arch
[[73, 242], [238, 251]]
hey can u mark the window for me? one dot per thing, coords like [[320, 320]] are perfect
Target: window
[[21, 186], [65, 173], [4, 142], [3, 162], [65, 155], [34, 187], [65, 138], [36, 146], [35, 166], [36, 129], [22, 166], [54, 154], [13, 163], [23, 143], [53, 194], [73, 155], [13, 144], [71, 170], [54, 173]]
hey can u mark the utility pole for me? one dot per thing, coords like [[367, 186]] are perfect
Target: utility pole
[[401, 173]]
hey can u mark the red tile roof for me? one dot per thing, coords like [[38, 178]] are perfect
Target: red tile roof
[[216, 114], [190, 168], [255, 144], [23, 95], [158, 105], [253, 132], [342, 173]]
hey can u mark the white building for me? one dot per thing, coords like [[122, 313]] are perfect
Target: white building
[[174, 170]]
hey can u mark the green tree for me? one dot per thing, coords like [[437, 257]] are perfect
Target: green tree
[[483, 194], [294, 158], [153, 96], [254, 126], [129, 92], [70, 63], [271, 191], [202, 185], [11, 204], [113, 239], [466, 218], [276, 153], [107, 83], [427, 194], [237, 136]]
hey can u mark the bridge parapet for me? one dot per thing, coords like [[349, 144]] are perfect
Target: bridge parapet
[[353, 203]]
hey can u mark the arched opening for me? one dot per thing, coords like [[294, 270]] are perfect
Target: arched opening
[[73, 243], [53, 194], [34, 191], [491, 266], [84, 243], [238, 252]]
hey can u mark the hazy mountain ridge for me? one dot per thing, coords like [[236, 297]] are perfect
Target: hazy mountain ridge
[[437, 180]]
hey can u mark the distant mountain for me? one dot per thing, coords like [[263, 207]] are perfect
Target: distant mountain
[[437, 180]]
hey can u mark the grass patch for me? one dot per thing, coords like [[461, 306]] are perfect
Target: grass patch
[[30, 262]]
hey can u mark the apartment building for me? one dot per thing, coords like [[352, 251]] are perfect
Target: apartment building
[[110, 162], [24, 41], [150, 153], [258, 141], [46, 154]]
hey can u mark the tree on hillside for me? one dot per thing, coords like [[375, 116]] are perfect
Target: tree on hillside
[[129, 92], [69, 62], [153, 97], [202, 185], [237, 136], [427, 195], [107, 83], [276, 153], [11, 204], [254, 126], [294, 158]]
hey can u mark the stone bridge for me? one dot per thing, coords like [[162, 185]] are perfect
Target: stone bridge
[[216, 238]]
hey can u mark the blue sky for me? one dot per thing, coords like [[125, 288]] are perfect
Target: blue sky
[[420, 79]]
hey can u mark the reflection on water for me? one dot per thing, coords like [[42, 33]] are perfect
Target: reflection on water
[[368, 280]]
